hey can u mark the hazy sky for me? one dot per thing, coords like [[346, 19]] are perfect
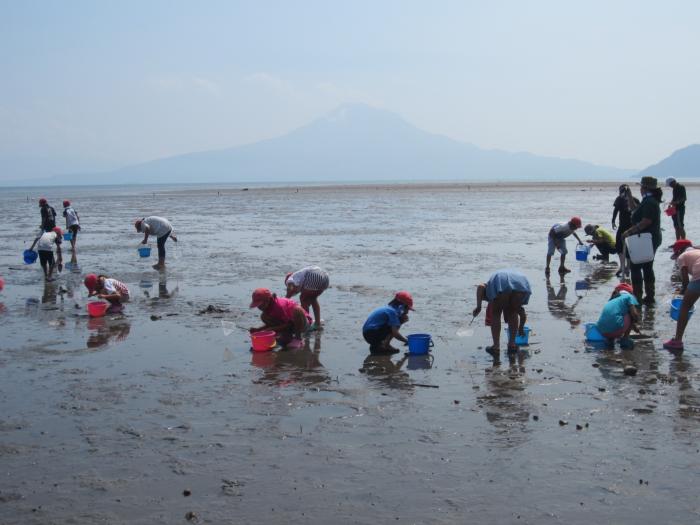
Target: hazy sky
[[612, 82]]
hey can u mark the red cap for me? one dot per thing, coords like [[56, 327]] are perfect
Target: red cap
[[624, 287], [404, 298], [57, 231], [576, 221], [91, 281], [260, 295], [679, 247], [66, 204], [42, 201], [286, 277]]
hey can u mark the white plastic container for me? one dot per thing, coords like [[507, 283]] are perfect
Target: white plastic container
[[640, 248]]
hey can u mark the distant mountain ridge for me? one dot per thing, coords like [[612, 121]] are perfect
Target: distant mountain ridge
[[354, 143], [681, 164]]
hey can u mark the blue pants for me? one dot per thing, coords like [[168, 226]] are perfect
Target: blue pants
[[161, 244]]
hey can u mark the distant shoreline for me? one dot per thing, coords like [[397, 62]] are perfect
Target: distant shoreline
[[413, 186], [229, 188]]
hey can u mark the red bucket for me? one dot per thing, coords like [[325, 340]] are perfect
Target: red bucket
[[670, 211], [263, 341], [97, 308]]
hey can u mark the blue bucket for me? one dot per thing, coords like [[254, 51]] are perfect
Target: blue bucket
[[582, 252], [583, 285], [676, 308], [68, 236], [145, 251], [593, 335], [521, 340], [419, 344], [29, 256]]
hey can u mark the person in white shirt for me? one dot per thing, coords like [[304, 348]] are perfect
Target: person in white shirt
[[72, 222], [557, 241], [45, 243], [159, 228]]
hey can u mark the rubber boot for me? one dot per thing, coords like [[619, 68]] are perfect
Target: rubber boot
[[638, 291], [649, 290]]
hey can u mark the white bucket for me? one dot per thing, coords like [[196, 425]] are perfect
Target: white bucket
[[640, 248]]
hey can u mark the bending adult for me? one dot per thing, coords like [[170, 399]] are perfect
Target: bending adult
[[678, 202], [507, 292], [159, 228], [688, 259], [621, 209], [646, 218]]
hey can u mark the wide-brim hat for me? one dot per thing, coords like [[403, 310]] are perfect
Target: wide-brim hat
[[649, 182]]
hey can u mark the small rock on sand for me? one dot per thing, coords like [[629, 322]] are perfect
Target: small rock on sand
[[630, 370]]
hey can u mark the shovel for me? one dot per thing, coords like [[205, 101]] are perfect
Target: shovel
[[466, 331]]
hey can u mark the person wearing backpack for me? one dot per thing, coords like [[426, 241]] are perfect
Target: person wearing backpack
[[48, 215]]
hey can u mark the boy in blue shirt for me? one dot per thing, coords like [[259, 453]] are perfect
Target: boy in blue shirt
[[383, 324]]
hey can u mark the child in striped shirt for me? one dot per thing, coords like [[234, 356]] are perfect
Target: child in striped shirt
[[309, 282], [112, 290]]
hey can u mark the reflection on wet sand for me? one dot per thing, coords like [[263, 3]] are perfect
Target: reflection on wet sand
[[105, 330], [681, 371], [506, 403], [50, 294], [73, 266], [163, 292], [420, 362], [146, 283], [301, 366], [382, 369], [556, 302]]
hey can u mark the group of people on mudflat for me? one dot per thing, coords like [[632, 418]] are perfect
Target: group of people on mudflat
[[51, 237], [506, 292], [620, 315]]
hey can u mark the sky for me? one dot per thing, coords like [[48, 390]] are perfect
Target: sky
[[103, 84]]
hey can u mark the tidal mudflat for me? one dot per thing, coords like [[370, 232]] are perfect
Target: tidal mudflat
[[161, 414]]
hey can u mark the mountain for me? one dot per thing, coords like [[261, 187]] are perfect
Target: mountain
[[353, 143], [681, 164]]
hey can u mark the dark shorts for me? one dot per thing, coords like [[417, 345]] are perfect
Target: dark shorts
[[376, 336], [46, 257], [679, 217], [74, 228], [619, 241], [693, 286]]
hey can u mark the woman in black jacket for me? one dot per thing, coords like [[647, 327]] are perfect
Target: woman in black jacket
[[646, 218]]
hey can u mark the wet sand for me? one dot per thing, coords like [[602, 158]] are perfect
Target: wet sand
[[110, 420]]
